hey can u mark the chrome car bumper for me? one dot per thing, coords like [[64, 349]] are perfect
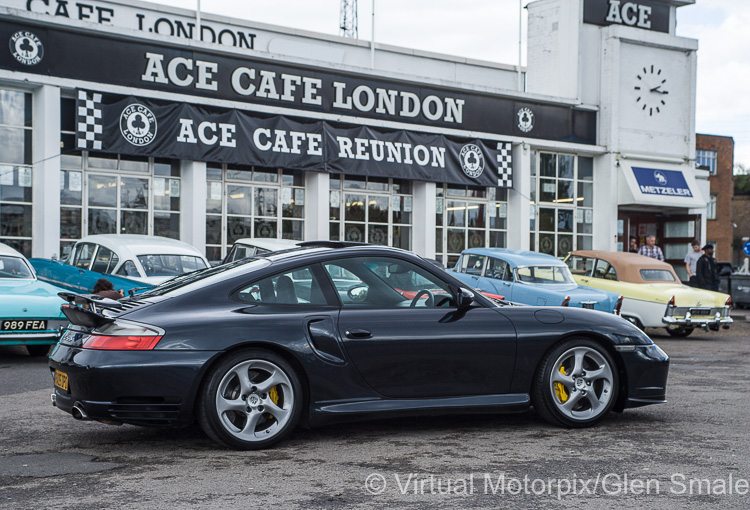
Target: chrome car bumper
[[687, 317]]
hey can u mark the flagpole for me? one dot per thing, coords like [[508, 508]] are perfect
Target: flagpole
[[520, 42], [198, 21], [372, 38]]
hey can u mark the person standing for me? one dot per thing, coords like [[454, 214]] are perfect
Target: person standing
[[633, 245], [707, 270], [691, 259], [651, 250]]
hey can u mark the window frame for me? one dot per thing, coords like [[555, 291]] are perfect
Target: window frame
[[318, 272]]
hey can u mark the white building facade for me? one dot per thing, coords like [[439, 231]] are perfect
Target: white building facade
[[116, 118]]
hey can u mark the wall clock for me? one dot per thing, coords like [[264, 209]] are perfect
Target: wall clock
[[651, 90]]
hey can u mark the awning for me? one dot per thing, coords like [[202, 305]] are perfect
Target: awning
[[662, 185]]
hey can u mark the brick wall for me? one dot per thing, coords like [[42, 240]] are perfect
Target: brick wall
[[720, 230]]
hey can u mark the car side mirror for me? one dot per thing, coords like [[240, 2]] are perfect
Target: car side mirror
[[358, 293], [465, 298]]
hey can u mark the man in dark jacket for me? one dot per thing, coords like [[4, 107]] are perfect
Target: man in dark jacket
[[707, 270]]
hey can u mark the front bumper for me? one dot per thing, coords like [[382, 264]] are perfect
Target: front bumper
[[151, 388], [647, 368], [696, 317]]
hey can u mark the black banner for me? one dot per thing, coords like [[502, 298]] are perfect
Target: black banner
[[144, 127], [640, 14], [98, 58]]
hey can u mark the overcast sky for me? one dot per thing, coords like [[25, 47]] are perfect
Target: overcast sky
[[488, 30]]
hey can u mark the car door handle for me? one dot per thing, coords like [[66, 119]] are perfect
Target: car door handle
[[507, 284], [585, 280], [358, 333]]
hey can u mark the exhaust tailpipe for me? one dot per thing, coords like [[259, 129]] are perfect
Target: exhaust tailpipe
[[53, 398], [79, 413]]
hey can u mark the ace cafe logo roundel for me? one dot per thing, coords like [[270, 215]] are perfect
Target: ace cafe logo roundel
[[26, 48], [525, 119], [138, 124], [472, 160]]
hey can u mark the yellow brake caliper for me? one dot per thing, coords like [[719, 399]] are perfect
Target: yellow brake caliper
[[560, 390], [273, 394]]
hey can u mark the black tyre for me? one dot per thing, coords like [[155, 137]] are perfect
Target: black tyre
[[37, 350], [251, 400], [576, 384], [680, 332]]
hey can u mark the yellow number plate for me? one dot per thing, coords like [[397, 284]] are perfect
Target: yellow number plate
[[61, 380]]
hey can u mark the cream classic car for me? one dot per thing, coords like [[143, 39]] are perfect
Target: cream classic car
[[653, 294]]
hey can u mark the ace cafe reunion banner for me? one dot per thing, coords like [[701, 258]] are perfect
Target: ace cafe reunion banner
[[145, 127]]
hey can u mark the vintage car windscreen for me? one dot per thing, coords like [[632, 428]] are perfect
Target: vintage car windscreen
[[170, 265], [545, 275], [208, 276], [657, 275], [14, 267]]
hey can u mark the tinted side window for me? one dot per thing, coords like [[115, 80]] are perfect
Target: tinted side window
[[128, 269], [84, 255], [498, 269], [604, 270], [298, 287], [580, 266], [472, 264], [384, 282], [105, 261]]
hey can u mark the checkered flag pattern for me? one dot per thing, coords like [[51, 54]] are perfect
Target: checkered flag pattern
[[504, 167], [89, 135]]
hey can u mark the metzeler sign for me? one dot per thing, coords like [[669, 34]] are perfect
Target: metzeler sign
[[138, 126], [638, 14], [653, 181], [94, 57]]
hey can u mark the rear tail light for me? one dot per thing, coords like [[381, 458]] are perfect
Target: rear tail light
[[618, 306], [566, 301], [671, 302], [123, 335], [121, 343], [729, 302]]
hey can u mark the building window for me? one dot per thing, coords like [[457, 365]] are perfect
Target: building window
[[15, 170], [711, 208], [706, 160], [112, 194], [370, 210], [562, 214], [469, 217], [247, 201]]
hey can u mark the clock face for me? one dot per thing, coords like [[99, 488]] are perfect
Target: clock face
[[650, 88]]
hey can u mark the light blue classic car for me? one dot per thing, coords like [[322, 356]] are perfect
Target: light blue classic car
[[530, 278], [29, 309]]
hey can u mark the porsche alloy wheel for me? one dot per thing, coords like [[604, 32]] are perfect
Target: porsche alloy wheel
[[252, 400], [576, 384]]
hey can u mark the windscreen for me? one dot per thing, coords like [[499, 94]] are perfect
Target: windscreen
[[206, 277], [14, 267], [170, 265]]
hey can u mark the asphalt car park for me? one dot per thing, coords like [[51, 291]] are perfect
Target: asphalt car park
[[693, 451]]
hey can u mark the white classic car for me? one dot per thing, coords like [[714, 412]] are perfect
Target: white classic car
[[147, 259]]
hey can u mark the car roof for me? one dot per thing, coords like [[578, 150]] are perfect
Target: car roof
[[128, 245], [268, 244], [9, 252], [335, 249], [518, 257], [628, 265]]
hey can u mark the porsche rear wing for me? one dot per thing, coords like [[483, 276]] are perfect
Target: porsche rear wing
[[83, 309]]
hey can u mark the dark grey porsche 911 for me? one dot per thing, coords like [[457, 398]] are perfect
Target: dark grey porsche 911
[[330, 332]]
